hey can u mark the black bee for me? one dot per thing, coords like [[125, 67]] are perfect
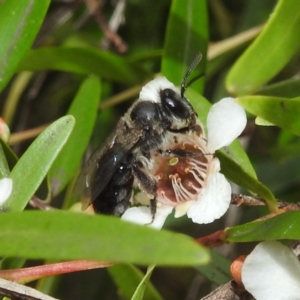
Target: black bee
[[157, 119]]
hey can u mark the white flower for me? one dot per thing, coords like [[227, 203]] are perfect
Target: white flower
[[6, 185], [272, 271], [193, 185], [142, 215]]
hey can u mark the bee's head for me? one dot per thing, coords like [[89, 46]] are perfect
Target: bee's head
[[172, 102]]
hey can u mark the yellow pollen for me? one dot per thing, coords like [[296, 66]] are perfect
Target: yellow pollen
[[173, 161]]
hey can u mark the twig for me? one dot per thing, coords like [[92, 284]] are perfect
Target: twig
[[114, 23], [26, 134], [17, 291], [228, 291], [40, 204], [113, 37], [25, 275], [243, 200]]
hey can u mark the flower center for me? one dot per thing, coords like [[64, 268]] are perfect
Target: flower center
[[181, 173]]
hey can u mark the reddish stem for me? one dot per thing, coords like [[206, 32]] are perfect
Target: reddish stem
[[215, 239], [29, 274]]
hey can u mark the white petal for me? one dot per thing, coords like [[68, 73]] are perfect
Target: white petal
[[182, 208], [6, 185], [272, 271], [213, 202], [225, 121], [142, 215], [279, 265]]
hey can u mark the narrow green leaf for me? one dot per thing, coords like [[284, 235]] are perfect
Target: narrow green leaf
[[34, 164], [270, 52], [83, 61], [127, 278], [289, 88], [239, 175], [84, 109], [187, 34], [140, 291], [9, 154], [285, 226], [282, 112], [4, 169], [64, 235], [217, 271], [19, 25]]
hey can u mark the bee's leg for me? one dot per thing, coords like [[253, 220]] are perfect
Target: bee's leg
[[153, 206], [181, 153], [148, 185]]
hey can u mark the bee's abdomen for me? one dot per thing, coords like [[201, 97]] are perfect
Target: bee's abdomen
[[115, 197]]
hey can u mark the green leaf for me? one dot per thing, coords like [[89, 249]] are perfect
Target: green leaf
[[34, 164], [83, 61], [223, 52], [4, 169], [270, 52], [239, 175], [282, 112], [127, 278], [140, 291], [84, 109], [10, 156], [187, 34], [19, 25], [285, 226], [63, 235], [217, 271], [289, 88]]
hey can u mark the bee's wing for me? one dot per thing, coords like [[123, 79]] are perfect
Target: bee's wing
[[102, 165]]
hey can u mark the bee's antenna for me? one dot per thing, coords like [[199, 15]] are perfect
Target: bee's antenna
[[192, 67]]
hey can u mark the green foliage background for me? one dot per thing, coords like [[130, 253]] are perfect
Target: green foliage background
[[54, 69]]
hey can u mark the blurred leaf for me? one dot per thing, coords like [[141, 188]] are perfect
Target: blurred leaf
[[140, 291], [18, 86], [289, 88], [220, 54], [19, 24], [217, 271], [84, 109], [187, 34], [127, 278], [34, 164], [262, 122], [9, 154], [83, 61], [270, 52], [239, 175], [282, 112], [66, 235], [285, 226], [12, 263], [4, 169]]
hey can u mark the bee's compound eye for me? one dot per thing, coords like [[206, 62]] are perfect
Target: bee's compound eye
[[174, 104]]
